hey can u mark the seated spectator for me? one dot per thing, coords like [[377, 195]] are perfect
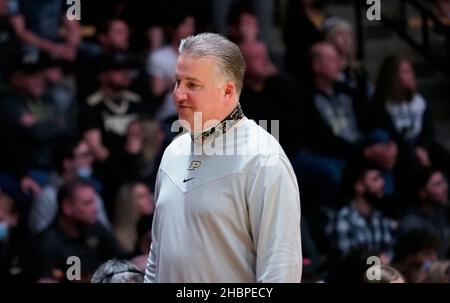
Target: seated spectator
[[74, 160], [75, 232], [118, 271], [143, 151], [302, 29], [107, 113], [263, 85], [10, 253], [359, 225], [112, 37], [402, 111], [243, 25], [37, 25], [430, 214], [32, 117], [133, 202], [61, 89], [382, 151], [337, 120], [339, 32]]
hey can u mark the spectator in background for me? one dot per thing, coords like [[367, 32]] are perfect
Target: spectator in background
[[74, 160], [359, 225], [431, 213], [339, 32], [61, 89], [75, 232], [117, 271], [402, 111], [143, 150], [107, 113], [37, 25], [33, 118], [442, 8], [10, 243], [113, 36], [263, 88], [161, 63], [134, 200], [302, 29], [331, 110], [243, 25]]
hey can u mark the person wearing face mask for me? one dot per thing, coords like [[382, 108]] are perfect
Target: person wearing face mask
[[359, 225], [74, 159], [430, 213], [10, 263]]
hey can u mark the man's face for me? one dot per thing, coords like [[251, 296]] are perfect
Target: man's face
[[329, 65], [343, 40], [374, 183], [33, 85], [383, 154], [198, 88], [185, 29], [82, 156], [437, 188], [257, 60], [82, 207], [117, 79], [118, 35]]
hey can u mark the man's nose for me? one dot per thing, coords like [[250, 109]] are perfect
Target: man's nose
[[179, 93]]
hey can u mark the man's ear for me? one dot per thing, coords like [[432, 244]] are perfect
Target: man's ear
[[66, 207], [229, 90], [359, 187]]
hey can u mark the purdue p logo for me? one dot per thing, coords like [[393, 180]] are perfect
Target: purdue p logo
[[194, 165]]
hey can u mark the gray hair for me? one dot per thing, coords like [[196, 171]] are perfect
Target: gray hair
[[227, 55], [117, 271]]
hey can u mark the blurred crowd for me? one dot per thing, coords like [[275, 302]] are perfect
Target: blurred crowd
[[86, 112]]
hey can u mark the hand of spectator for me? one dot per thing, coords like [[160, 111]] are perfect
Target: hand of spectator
[[422, 154], [134, 138], [93, 138], [27, 120], [64, 51], [30, 186]]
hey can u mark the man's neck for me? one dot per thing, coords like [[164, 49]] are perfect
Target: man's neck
[[69, 227], [324, 85], [362, 205], [111, 93]]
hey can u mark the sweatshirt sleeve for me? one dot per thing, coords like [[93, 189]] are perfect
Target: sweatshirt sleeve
[[150, 271], [274, 212]]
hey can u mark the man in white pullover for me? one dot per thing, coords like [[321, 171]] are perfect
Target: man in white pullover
[[227, 199]]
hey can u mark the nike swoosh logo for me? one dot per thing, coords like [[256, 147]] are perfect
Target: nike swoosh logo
[[185, 180]]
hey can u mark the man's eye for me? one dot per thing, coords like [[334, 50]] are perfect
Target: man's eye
[[192, 85]]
